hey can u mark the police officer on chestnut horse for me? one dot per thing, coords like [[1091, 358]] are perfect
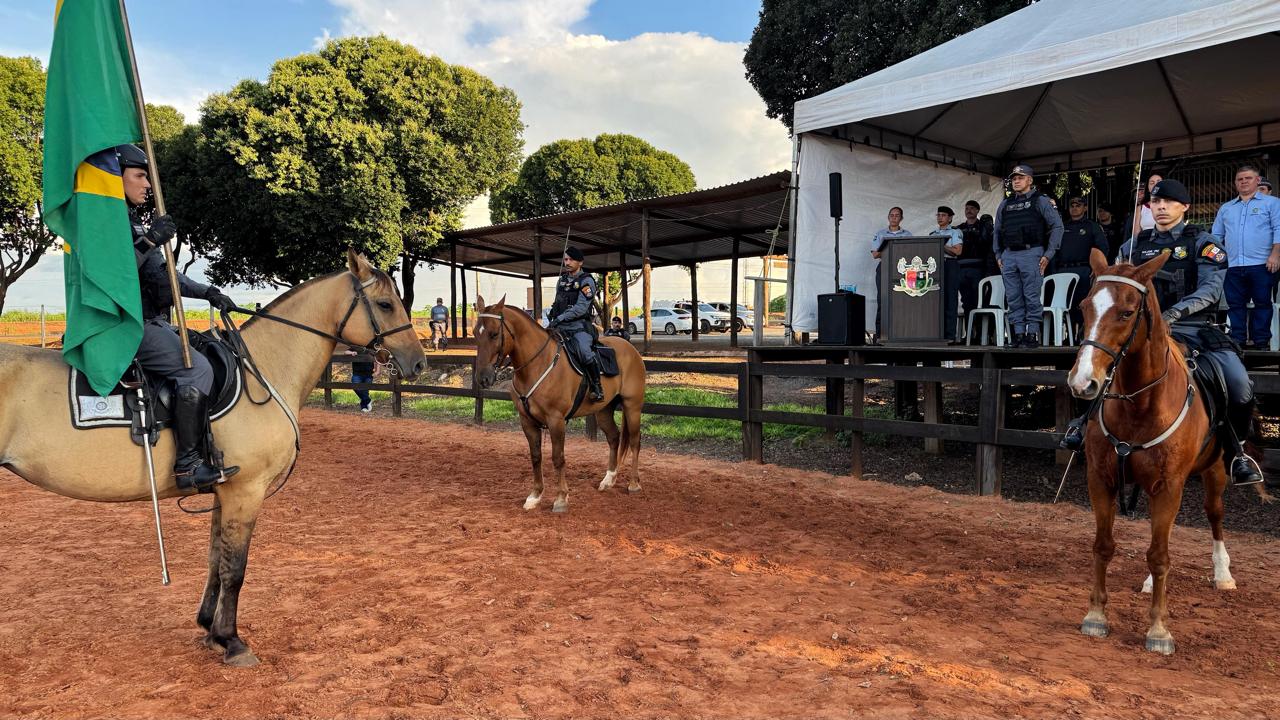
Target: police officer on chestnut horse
[[161, 349], [571, 314]]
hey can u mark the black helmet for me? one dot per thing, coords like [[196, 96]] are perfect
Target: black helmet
[[131, 156]]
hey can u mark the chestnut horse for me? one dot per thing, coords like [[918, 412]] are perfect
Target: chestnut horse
[[543, 388], [38, 443], [1152, 413]]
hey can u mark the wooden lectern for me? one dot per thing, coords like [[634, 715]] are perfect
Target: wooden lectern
[[912, 289]]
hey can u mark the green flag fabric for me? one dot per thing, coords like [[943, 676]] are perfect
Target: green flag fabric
[[89, 110]]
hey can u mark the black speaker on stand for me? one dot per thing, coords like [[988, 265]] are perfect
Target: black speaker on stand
[[841, 315]]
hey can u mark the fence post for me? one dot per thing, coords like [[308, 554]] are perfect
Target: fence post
[[856, 410], [835, 394], [933, 410], [397, 397], [478, 419], [42, 330], [744, 403], [755, 404], [326, 381], [590, 429], [990, 419]]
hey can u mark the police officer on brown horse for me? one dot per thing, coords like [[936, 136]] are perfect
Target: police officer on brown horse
[[160, 352], [571, 313]]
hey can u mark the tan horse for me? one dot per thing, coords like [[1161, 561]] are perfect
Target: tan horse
[[38, 443], [1151, 408], [543, 389]]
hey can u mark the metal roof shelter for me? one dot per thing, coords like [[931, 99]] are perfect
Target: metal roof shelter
[[722, 223]]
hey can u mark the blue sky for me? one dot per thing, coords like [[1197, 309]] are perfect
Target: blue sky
[[668, 71]]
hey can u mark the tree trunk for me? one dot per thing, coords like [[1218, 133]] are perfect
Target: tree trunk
[[408, 270]]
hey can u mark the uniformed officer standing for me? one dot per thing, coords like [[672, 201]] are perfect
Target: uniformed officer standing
[[974, 255], [952, 250], [1188, 289], [1028, 232], [161, 349], [571, 313], [1080, 236]]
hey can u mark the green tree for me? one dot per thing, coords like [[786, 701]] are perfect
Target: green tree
[[575, 174], [23, 236], [802, 48], [164, 122], [367, 144]]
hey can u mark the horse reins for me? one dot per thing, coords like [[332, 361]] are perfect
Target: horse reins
[[1124, 449]]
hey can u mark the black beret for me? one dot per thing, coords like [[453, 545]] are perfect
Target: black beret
[[1171, 190], [947, 210], [973, 204], [574, 253], [1264, 183]]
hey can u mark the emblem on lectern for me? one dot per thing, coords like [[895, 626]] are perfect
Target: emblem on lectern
[[917, 276]]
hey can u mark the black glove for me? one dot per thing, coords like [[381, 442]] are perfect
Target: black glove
[[162, 230], [219, 300], [1172, 315]]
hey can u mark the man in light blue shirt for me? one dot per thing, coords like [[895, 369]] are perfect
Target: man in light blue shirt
[[950, 271], [1249, 225], [878, 243]]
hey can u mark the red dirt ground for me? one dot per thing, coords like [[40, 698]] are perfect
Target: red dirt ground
[[386, 583]]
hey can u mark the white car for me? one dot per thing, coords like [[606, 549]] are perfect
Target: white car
[[709, 318], [745, 316], [666, 320]]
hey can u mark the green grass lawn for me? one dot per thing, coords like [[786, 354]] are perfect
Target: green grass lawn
[[437, 407]]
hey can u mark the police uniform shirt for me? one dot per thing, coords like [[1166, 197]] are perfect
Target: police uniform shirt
[[574, 294], [1079, 237], [1210, 268]]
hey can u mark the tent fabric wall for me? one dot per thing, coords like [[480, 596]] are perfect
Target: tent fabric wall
[[873, 182]]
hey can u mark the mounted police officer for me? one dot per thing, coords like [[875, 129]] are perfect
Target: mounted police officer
[[1188, 289], [160, 352], [571, 313], [1028, 231]]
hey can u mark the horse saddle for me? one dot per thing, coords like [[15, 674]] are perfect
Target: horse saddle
[[607, 357], [120, 407], [1206, 371]]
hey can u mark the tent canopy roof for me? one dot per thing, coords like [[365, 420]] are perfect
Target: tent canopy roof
[[684, 229], [1072, 84]]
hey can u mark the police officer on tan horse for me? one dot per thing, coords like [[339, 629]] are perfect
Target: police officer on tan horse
[[571, 315], [161, 349]]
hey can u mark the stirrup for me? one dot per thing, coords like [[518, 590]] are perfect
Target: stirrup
[[1073, 438], [1254, 475]]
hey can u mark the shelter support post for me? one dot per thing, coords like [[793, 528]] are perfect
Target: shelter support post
[[759, 298], [644, 252], [990, 459], [933, 410], [453, 291], [463, 272], [856, 404], [622, 290], [537, 277], [733, 296], [693, 301]]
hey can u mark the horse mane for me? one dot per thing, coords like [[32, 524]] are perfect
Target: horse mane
[[383, 282]]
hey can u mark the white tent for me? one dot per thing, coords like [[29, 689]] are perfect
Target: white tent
[[1062, 85]]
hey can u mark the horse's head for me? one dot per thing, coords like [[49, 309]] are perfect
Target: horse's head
[[1120, 313], [375, 318], [494, 341]]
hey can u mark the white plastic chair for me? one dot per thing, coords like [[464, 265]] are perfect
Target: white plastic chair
[[1275, 319], [990, 305], [1059, 287]]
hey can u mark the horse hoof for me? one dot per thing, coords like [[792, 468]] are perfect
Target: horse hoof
[[1164, 646], [633, 489], [607, 482], [531, 502], [245, 659], [1095, 628], [560, 506], [1225, 584], [213, 644]]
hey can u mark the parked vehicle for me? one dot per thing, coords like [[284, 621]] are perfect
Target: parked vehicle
[[709, 318], [665, 320], [745, 316]]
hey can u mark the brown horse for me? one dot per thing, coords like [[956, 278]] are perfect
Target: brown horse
[[543, 388], [38, 443], [1151, 412]]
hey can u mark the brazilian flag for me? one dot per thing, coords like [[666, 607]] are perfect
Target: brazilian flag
[[89, 110]]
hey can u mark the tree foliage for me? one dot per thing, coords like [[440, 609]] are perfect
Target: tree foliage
[[23, 236], [367, 143], [801, 48], [575, 174]]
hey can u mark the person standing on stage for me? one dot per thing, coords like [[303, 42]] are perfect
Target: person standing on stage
[[878, 243], [950, 270], [1080, 236], [975, 255], [1249, 225], [1028, 232]]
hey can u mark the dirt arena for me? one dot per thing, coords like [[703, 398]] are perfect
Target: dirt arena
[[396, 576]]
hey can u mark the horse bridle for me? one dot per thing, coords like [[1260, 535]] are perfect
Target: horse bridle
[[502, 358], [1122, 448]]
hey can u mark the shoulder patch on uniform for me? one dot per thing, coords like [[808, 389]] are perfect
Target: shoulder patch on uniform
[[586, 289], [1213, 252]]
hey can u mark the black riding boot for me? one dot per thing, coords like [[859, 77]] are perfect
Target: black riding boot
[[593, 379], [1244, 471], [1073, 438], [190, 422]]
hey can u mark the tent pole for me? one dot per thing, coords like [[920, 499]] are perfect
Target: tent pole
[[791, 239], [646, 271]]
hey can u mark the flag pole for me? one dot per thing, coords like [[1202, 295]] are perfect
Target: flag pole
[[174, 288]]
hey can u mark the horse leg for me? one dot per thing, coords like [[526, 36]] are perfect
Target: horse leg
[[631, 438], [556, 428], [240, 505], [1215, 484], [1164, 507], [605, 421], [533, 433], [212, 584], [1102, 497]]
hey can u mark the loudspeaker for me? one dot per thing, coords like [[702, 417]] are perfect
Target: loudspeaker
[[837, 203], [842, 318]]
